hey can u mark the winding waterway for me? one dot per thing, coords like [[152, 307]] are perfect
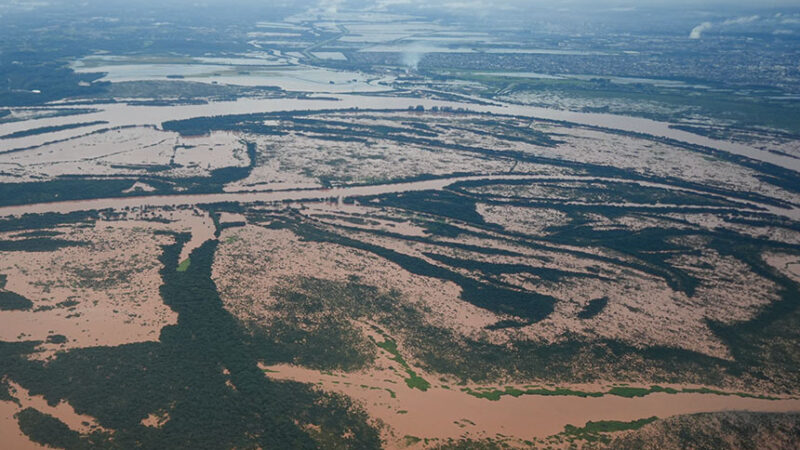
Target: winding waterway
[[120, 114], [335, 193]]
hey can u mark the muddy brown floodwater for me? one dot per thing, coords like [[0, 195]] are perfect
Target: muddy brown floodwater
[[12, 438], [121, 114], [294, 195], [439, 412], [450, 413]]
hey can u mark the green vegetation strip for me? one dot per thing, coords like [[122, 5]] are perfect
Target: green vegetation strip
[[413, 381], [184, 265], [592, 431], [620, 391]]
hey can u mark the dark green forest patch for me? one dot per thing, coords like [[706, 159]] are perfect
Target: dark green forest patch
[[10, 301], [182, 374]]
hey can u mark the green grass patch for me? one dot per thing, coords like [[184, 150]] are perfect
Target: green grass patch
[[413, 380], [667, 390], [704, 390], [495, 394], [411, 440], [184, 265], [629, 392], [594, 431]]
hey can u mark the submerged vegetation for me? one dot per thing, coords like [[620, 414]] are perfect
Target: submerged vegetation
[[413, 381], [571, 246], [596, 431], [53, 129], [651, 250], [619, 391], [183, 374], [10, 301]]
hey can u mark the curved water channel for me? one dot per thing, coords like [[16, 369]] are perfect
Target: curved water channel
[[176, 200], [120, 114], [515, 413], [530, 415]]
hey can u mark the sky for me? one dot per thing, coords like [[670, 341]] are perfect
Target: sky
[[694, 18]]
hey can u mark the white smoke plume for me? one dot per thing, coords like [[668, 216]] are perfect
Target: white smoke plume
[[697, 32], [412, 55]]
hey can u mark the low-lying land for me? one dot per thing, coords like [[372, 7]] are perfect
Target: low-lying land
[[194, 252]]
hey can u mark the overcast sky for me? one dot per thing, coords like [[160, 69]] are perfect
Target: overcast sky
[[693, 17]]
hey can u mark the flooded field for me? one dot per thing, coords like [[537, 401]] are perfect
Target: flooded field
[[391, 227], [290, 180], [444, 412], [119, 115], [280, 72], [267, 197]]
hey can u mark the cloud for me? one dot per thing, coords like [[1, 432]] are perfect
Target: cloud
[[383, 4], [697, 31], [329, 7], [741, 20]]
